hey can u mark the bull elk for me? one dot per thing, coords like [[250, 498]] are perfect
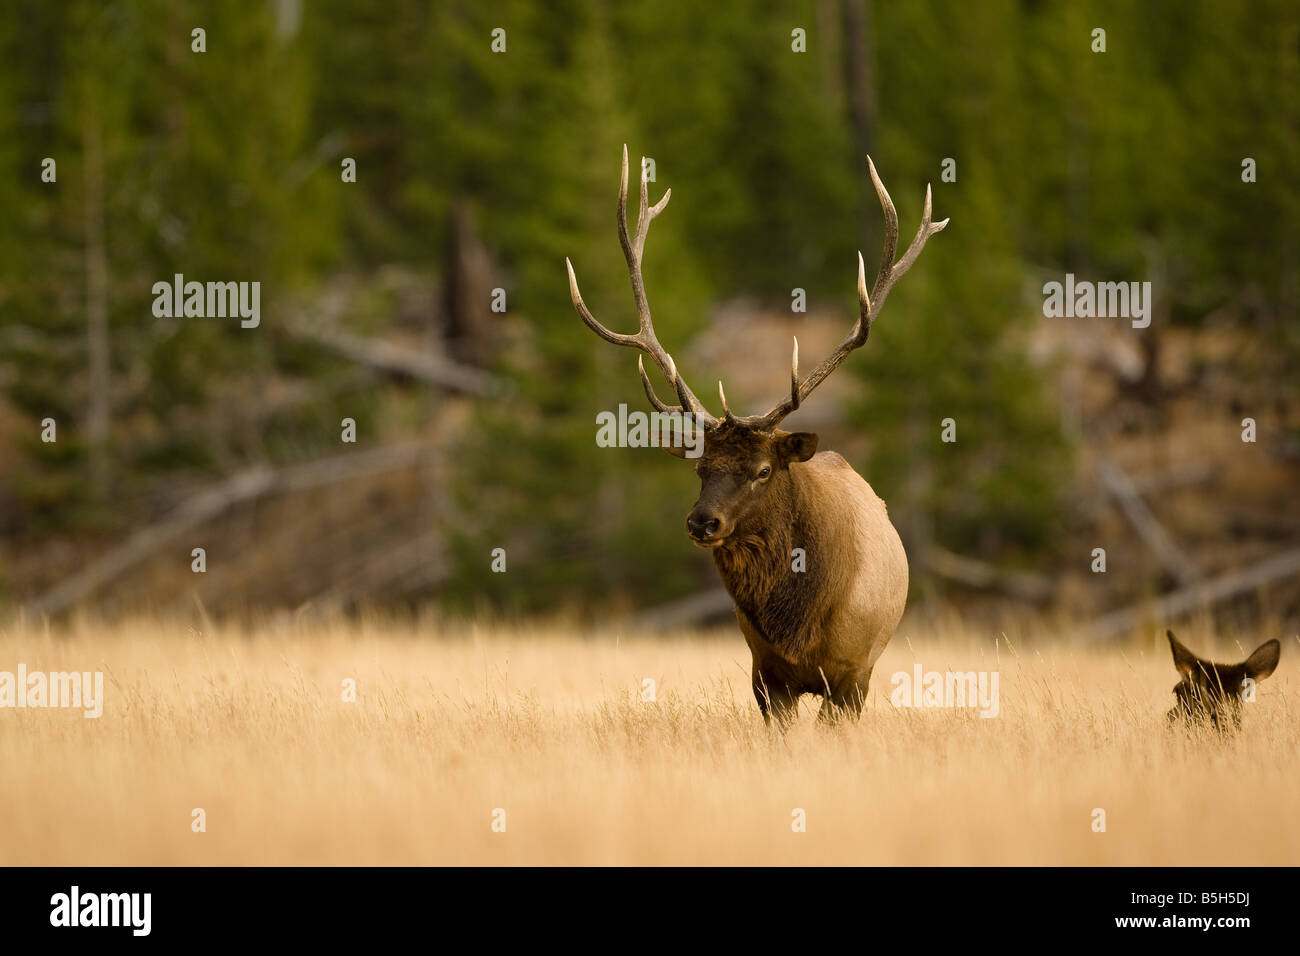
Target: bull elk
[[765, 491]]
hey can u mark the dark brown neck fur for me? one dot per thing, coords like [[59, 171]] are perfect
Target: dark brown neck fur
[[755, 565]]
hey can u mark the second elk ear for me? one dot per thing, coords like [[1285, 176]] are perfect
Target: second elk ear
[[1184, 660], [1264, 660], [796, 446], [681, 438]]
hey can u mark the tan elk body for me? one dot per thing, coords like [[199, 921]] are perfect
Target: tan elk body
[[820, 630], [803, 545]]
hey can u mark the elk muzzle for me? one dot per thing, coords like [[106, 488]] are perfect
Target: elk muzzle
[[704, 526]]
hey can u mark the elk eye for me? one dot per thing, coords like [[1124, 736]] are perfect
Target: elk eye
[[764, 472]]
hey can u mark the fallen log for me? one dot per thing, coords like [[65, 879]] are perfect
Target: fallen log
[[240, 488], [1186, 599], [389, 359], [694, 609], [971, 572]]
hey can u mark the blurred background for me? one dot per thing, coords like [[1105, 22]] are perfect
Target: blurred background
[[479, 170]]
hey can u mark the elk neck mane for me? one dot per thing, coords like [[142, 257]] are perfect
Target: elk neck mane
[[756, 563]]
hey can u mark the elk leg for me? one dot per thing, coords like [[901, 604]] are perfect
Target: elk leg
[[846, 697], [775, 698]]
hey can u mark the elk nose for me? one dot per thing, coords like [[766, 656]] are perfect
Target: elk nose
[[701, 526]]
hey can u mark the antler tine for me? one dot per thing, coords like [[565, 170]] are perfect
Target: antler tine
[[643, 210], [890, 271], [688, 401], [659, 404], [869, 303], [726, 412], [683, 393], [616, 338], [864, 300], [645, 213], [644, 339], [794, 375], [891, 229], [924, 232], [623, 238]]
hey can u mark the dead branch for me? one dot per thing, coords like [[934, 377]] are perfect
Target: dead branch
[[1173, 479], [1024, 585], [411, 566], [394, 360], [1200, 594], [1130, 500], [694, 609]]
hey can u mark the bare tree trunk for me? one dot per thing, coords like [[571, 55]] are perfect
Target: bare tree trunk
[[97, 343], [288, 18], [1076, 120], [1288, 299], [467, 291], [1071, 387], [830, 45], [860, 80], [859, 73], [919, 534]]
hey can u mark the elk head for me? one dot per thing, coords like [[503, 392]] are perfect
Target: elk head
[[1213, 692], [746, 460]]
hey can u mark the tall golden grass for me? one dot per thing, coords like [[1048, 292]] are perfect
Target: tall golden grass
[[452, 722]]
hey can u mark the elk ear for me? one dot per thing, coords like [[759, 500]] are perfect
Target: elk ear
[[796, 446], [1184, 660], [1264, 660], [680, 442]]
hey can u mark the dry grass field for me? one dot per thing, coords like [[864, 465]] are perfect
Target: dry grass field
[[453, 721]]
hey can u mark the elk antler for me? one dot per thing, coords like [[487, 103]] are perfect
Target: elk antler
[[644, 339], [869, 306]]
